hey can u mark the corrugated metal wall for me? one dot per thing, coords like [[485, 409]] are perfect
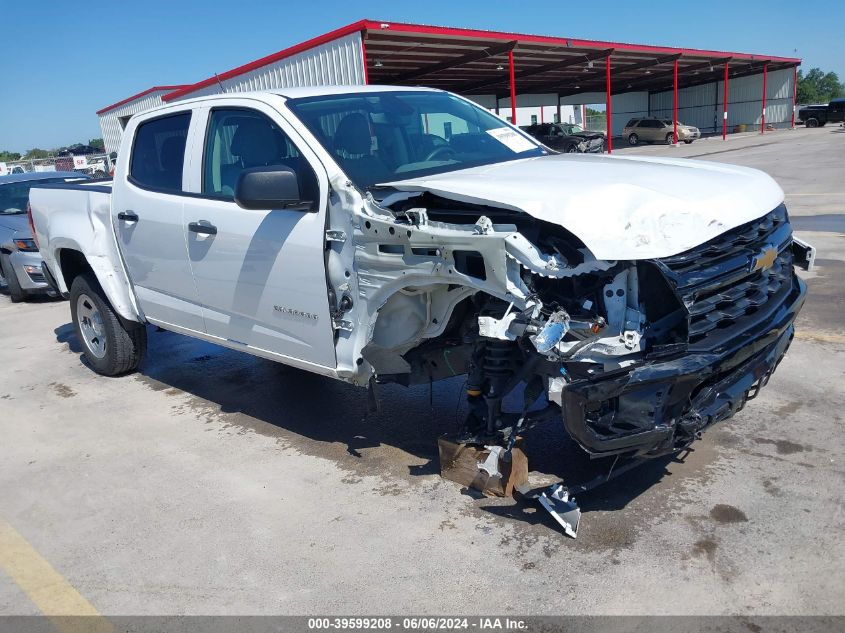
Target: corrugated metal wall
[[110, 121], [702, 105], [339, 62], [625, 106]]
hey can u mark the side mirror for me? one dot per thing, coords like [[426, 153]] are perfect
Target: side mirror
[[264, 188]]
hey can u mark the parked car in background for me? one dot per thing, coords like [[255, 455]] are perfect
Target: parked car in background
[[79, 150], [819, 115], [20, 261], [567, 137], [652, 130]]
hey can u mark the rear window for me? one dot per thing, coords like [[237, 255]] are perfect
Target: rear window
[[159, 152]]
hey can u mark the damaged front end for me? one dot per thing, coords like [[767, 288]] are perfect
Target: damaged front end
[[638, 357]]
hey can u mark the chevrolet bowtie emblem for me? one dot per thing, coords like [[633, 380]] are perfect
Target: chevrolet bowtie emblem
[[764, 259]]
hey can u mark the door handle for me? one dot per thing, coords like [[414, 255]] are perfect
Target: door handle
[[127, 216], [203, 227]]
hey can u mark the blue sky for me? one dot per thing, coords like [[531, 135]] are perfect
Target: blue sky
[[63, 61]]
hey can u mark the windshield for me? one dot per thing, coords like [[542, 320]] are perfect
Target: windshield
[[572, 128], [383, 136], [15, 195]]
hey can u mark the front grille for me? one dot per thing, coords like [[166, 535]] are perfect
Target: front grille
[[36, 277], [723, 296]]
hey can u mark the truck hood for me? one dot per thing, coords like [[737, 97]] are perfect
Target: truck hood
[[622, 208]]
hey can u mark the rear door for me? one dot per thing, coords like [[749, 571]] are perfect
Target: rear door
[[148, 196], [260, 274]]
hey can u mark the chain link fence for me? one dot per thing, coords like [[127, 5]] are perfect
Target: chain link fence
[[94, 165]]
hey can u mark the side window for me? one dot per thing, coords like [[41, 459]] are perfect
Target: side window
[[158, 152], [240, 139]]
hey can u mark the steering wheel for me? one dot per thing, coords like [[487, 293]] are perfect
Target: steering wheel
[[445, 149]]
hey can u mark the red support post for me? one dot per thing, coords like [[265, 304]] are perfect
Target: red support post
[[513, 87], [675, 102], [763, 117], [725, 105], [608, 109], [794, 94]]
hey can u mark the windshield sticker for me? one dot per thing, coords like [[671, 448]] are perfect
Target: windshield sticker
[[512, 140]]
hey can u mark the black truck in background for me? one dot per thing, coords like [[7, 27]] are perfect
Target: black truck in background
[[818, 115]]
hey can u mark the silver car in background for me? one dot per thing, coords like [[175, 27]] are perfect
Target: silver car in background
[[652, 130], [20, 261]]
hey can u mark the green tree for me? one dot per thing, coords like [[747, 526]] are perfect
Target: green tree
[[818, 86], [36, 153], [6, 156], [98, 143]]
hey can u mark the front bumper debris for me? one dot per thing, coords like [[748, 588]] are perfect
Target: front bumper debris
[[660, 407]]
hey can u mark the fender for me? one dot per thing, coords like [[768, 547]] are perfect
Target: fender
[[56, 214]]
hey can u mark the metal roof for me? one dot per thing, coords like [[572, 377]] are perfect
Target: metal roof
[[142, 94], [472, 61]]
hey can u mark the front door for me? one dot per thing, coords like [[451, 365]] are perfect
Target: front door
[[260, 274], [147, 215]]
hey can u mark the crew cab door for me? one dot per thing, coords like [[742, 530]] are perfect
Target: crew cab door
[[147, 200], [260, 274]]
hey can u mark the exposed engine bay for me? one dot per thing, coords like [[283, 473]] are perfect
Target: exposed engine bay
[[638, 357]]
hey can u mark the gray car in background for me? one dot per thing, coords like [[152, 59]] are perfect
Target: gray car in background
[[20, 261]]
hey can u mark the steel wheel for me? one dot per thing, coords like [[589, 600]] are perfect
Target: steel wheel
[[91, 326]]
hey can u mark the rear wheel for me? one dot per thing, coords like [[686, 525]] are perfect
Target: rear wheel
[[110, 347], [688, 142], [16, 293], [812, 123], [633, 139]]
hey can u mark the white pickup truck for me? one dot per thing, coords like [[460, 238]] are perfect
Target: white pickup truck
[[380, 234]]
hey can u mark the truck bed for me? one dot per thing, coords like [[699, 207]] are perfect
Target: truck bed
[[71, 218]]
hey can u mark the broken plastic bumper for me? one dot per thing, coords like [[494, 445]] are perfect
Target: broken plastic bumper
[[660, 407]]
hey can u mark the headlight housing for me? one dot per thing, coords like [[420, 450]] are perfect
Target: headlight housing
[[27, 245]]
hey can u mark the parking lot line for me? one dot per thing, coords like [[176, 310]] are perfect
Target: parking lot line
[[49, 591]]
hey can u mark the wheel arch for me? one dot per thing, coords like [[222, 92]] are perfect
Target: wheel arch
[[73, 262]]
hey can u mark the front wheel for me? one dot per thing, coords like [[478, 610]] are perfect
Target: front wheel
[[633, 139], [110, 347], [688, 142], [670, 139], [8, 274], [572, 149]]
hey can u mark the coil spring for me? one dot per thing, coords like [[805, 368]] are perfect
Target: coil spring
[[498, 359]]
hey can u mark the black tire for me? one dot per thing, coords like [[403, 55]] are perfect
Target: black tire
[[124, 345], [670, 139], [812, 123], [572, 149], [16, 293], [688, 142], [633, 139], [822, 123]]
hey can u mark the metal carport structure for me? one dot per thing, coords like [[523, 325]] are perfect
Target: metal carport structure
[[494, 67]]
